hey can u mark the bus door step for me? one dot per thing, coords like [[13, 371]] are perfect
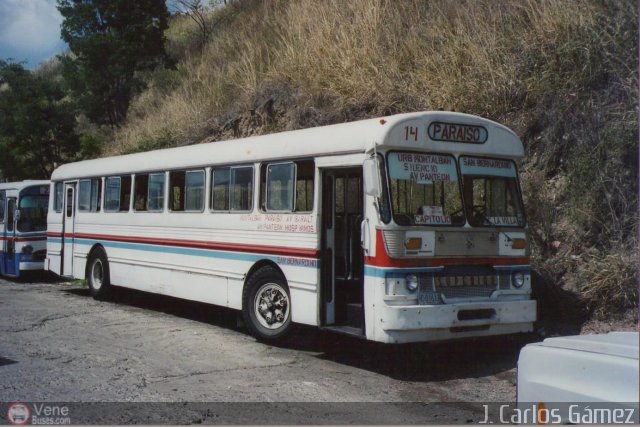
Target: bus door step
[[346, 330], [355, 315]]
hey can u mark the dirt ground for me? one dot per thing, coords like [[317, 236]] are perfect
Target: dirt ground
[[57, 344]]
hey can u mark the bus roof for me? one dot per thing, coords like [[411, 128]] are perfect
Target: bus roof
[[344, 138], [20, 185]]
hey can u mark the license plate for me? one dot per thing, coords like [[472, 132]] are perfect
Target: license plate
[[429, 298], [466, 281]]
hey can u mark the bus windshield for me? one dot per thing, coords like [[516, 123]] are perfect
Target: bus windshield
[[33, 210], [491, 192], [424, 189]]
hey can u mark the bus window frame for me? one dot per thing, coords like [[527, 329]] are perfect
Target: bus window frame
[[3, 201], [385, 195], [293, 187], [98, 199], [299, 163], [184, 189], [204, 190], [459, 185], [58, 200], [518, 189], [131, 195], [230, 184], [163, 192], [33, 192]]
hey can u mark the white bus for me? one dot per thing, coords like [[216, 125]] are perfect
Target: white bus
[[399, 229], [23, 226]]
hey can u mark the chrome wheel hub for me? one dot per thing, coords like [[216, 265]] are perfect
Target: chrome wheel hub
[[271, 306], [97, 274]]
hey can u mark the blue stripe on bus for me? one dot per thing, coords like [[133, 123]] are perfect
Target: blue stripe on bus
[[382, 272], [233, 256]]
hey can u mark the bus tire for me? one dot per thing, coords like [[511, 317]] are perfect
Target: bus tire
[[98, 275], [266, 305]]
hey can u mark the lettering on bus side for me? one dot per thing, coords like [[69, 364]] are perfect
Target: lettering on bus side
[[291, 223], [457, 132], [299, 262]]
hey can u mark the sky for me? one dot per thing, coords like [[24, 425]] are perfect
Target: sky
[[30, 31]]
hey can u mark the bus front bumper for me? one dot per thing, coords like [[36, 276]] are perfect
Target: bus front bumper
[[31, 265], [403, 324]]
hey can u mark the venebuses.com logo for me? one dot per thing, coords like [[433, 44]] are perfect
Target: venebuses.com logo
[[38, 414], [18, 414]]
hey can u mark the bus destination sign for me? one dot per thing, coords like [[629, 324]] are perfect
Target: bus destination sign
[[457, 132]]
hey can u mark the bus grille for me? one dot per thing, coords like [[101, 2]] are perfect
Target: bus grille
[[462, 282]]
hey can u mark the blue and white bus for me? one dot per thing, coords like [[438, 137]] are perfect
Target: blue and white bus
[[23, 226]]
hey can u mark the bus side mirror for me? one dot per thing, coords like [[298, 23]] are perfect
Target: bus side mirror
[[372, 185], [16, 215]]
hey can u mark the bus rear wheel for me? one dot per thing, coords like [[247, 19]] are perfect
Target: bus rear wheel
[[266, 305], [98, 275]]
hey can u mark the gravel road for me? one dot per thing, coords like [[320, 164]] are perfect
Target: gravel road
[[57, 344]]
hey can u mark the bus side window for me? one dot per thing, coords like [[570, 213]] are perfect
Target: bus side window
[[194, 191], [187, 191], [84, 195], [11, 208], [278, 191], [117, 194], [112, 194], [280, 178], [220, 187], [69, 202], [149, 192], [232, 189], [2, 202], [176, 191], [125, 193], [140, 192], [241, 189], [57, 197], [89, 195], [304, 185], [96, 194]]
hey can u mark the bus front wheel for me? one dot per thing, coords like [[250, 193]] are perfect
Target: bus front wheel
[[266, 305], [98, 274]]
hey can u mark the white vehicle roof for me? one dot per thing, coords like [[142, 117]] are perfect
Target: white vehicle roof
[[621, 344], [354, 137], [582, 368], [19, 185]]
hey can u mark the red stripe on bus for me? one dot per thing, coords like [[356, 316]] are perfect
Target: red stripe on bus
[[234, 247], [24, 239], [31, 239]]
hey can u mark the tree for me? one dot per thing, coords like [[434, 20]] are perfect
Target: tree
[[111, 41], [195, 10], [201, 14], [36, 125]]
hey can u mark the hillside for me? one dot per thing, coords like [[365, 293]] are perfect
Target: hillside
[[562, 74]]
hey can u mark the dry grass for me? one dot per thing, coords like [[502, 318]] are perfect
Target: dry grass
[[608, 281], [493, 58], [562, 73]]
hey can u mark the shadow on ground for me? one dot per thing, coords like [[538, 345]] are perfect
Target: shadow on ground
[[35, 276], [422, 362]]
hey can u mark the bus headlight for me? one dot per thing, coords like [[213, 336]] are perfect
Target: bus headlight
[[517, 279], [411, 281], [27, 249]]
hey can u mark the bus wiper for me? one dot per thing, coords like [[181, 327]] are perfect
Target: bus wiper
[[486, 219]]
